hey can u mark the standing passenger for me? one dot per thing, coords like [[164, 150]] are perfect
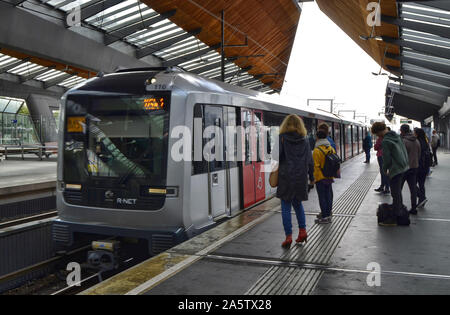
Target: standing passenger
[[435, 142], [326, 129], [384, 187], [367, 146], [295, 165], [395, 164], [413, 148], [424, 166], [323, 184]]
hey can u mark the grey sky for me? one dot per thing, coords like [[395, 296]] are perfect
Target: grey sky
[[326, 63]]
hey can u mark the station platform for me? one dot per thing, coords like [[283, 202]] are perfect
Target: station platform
[[243, 255], [16, 173]]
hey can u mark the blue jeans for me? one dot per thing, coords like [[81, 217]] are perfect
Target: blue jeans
[[325, 193], [367, 155], [286, 215]]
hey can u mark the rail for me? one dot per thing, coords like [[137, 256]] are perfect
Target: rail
[[28, 219]]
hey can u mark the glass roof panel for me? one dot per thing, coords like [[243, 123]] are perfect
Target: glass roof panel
[[3, 103], [132, 12], [73, 4], [13, 106]]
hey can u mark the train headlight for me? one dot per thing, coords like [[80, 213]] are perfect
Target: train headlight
[[73, 186], [151, 81]]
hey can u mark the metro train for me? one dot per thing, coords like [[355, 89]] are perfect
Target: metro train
[[117, 176]]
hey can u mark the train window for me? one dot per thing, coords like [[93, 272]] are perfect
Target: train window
[[215, 140], [272, 122], [348, 141], [310, 125], [229, 115], [259, 133]]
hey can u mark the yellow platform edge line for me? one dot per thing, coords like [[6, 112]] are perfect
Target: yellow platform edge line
[[155, 270]]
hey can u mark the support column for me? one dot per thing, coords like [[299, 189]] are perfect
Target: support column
[[40, 107]]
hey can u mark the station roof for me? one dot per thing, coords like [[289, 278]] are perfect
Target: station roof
[[412, 43], [179, 33], [10, 105]]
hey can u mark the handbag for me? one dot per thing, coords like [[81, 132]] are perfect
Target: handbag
[[273, 178]]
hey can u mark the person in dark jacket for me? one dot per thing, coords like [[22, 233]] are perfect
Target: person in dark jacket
[[395, 164], [435, 143], [384, 187], [413, 148], [295, 166], [424, 166], [367, 146]]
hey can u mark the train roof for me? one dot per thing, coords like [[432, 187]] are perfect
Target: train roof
[[193, 83]]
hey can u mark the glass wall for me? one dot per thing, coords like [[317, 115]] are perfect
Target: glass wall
[[16, 125]]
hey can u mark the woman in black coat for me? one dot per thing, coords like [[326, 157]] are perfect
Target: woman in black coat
[[424, 165], [296, 164]]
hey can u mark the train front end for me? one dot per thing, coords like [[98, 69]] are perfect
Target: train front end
[[113, 168]]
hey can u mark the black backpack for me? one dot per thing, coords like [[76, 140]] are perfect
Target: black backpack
[[385, 212], [332, 164]]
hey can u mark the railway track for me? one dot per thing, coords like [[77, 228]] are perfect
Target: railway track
[[37, 217], [41, 265]]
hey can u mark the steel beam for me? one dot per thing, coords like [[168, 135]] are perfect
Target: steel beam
[[438, 67], [14, 64], [425, 86], [437, 97], [431, 77], [243, 82], [427, 49], [164, 44], [17, 2], [191, 56], [38, 37], [97, 7], [233, 73], [438, 4], [131, 29], [421, 98], [35, 74], [206, 68], [58, 80], [445, 81], [421, 27]]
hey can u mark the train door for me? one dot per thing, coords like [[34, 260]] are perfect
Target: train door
[[337, 139], [252, 178], [217, 179]]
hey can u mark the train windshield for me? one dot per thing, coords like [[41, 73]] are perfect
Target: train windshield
[[116, 138]]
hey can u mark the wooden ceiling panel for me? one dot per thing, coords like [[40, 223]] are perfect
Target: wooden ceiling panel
[[270, 26], [351, 17]]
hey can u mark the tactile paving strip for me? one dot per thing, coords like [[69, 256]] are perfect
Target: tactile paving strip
[[286, 281], [349, 202], [324, 240]]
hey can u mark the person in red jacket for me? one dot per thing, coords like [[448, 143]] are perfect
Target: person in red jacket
[[384, 187]]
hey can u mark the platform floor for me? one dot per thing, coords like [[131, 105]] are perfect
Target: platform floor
[[244, 256], [15, 172]]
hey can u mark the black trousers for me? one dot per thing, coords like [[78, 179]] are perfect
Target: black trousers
[[396, 192], [411, 177], [435, 161], [384, 177], [421, 177]]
